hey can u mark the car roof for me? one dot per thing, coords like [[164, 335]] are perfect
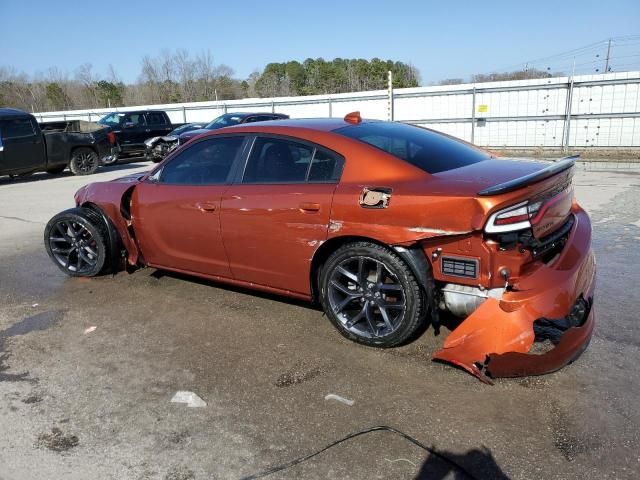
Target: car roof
[[249, 114], [13, 112], [133, 111], [320, 124]]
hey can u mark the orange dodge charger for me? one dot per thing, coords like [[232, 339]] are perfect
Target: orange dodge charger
[[390, 227]]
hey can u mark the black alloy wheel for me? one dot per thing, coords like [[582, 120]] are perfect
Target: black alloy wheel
[[371, 295]]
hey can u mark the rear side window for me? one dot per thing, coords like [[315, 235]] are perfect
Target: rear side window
[[277, 160], [156, 118], [207, 162], [428, 150], [16, 128], [325, 167]]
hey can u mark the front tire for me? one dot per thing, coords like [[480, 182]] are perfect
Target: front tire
[[371, 295], [77, 242], [84, 161]]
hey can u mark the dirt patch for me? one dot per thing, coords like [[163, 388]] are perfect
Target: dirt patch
[[178, 438], [57, 440], [31, 399], [566, 439], [299, 374], [180, 473], [536, 383]]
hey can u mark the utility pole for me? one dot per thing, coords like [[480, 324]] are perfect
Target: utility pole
[[390, 96], [606, 65]]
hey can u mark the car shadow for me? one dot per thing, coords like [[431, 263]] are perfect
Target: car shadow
[[40, 176], [477, 463], [158, 274]]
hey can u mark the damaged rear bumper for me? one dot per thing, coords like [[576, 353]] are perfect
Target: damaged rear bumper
[[555, 303]]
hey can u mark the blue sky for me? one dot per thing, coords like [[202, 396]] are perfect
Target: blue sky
[[442, 39]]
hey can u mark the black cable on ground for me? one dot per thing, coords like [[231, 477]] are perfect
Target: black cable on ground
[[380, 428]]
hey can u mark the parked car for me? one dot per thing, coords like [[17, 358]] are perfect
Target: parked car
[[159, 147], [27, 146], [133, 128], [389, 226], [230, 119]]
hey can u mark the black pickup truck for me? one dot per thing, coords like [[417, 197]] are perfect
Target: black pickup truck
[[132, 128], [27, 146]]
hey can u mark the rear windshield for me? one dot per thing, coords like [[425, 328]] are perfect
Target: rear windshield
[[428, 150]]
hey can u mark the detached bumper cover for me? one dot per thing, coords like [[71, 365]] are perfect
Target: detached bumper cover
[[553, 303]]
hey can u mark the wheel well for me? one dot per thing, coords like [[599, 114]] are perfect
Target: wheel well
[[115, 242], [323, 253], [414, 257], [77, 147]]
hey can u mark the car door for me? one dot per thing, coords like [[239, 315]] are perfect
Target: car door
[[157, 125], [176, 211], [22, 146], [133, 131], [277, 213]]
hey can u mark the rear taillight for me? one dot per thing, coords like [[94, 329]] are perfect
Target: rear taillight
[[516, 217], [111, 137], [521, 215]]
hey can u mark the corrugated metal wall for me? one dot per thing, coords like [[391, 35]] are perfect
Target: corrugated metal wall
[[586, 111]]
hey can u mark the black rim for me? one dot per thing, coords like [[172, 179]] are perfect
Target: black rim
[[85, 161], [366, 297], [73, 246]]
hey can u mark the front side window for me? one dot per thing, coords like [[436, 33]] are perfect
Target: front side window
[[207, 162], [16, 128], [133, 119], [430, 151]]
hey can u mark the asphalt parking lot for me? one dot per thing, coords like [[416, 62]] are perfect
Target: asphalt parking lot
[[79, 405]]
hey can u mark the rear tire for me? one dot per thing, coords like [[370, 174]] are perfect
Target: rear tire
[[77, 242], [371, 295], [84, 161]]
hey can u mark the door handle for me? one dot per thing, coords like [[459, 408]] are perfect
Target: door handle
[[310, 207], [206, 207], [148, 130]]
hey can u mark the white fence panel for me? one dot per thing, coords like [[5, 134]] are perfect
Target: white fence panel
[[604, 110]]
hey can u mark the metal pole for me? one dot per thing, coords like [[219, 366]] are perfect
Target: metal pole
[[390, 115], [606, 64], [567, 119], [473, 114], [273, 106], [330, 108], [184, 114]]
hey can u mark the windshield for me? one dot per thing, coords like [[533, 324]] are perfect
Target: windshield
[[185, 128], [225, 120], [428, 150], [112, 120]]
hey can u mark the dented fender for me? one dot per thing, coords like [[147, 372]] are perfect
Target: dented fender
[[108, 196]]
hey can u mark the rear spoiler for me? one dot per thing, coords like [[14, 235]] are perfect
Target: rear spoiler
[[558, 166]]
